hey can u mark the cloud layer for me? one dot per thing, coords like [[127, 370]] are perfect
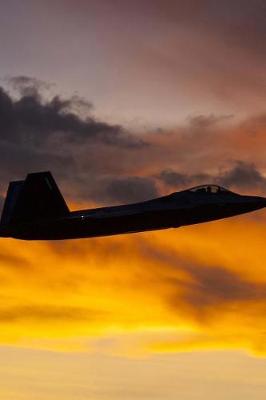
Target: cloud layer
[[98, 162], [201, 280]]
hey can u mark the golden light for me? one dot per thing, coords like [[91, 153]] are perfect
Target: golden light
[[200, 287]]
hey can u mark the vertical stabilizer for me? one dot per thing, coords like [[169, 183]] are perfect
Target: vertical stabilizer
[[36, 197]]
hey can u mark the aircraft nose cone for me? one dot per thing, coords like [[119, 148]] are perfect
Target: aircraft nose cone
[[261, 200], [257, 202]]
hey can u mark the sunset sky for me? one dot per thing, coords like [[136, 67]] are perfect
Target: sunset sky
[[125, 101]]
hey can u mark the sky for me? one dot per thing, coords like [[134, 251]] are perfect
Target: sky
[[125, 101]]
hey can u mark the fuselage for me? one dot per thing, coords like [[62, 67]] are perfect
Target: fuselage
[[187, 207]]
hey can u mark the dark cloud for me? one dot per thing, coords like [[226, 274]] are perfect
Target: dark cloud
[[173, 178], [214, 289], [118, 190], [29, 119], [207, 121], [25, 159], [241, 176], [27, 86], [179, 180], [105, 163], [56, 134], [201, 290], [214, 286], [132, 188]]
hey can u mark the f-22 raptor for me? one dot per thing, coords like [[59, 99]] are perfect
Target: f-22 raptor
[[35, 209]]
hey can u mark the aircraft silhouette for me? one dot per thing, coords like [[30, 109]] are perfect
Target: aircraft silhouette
[[34, 209]]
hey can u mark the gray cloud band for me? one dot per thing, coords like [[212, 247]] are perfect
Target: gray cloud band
[[104, 163]]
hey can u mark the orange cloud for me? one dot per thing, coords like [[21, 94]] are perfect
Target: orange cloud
[[191, 288]]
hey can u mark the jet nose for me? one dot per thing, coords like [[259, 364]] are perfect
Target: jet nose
[[256, 201]]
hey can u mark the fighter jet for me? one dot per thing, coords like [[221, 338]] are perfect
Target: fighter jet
[[34, 209]]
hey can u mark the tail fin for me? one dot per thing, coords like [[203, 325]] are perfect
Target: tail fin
[[36, 197]]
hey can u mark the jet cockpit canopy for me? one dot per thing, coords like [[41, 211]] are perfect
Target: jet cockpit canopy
[[214, 189]]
